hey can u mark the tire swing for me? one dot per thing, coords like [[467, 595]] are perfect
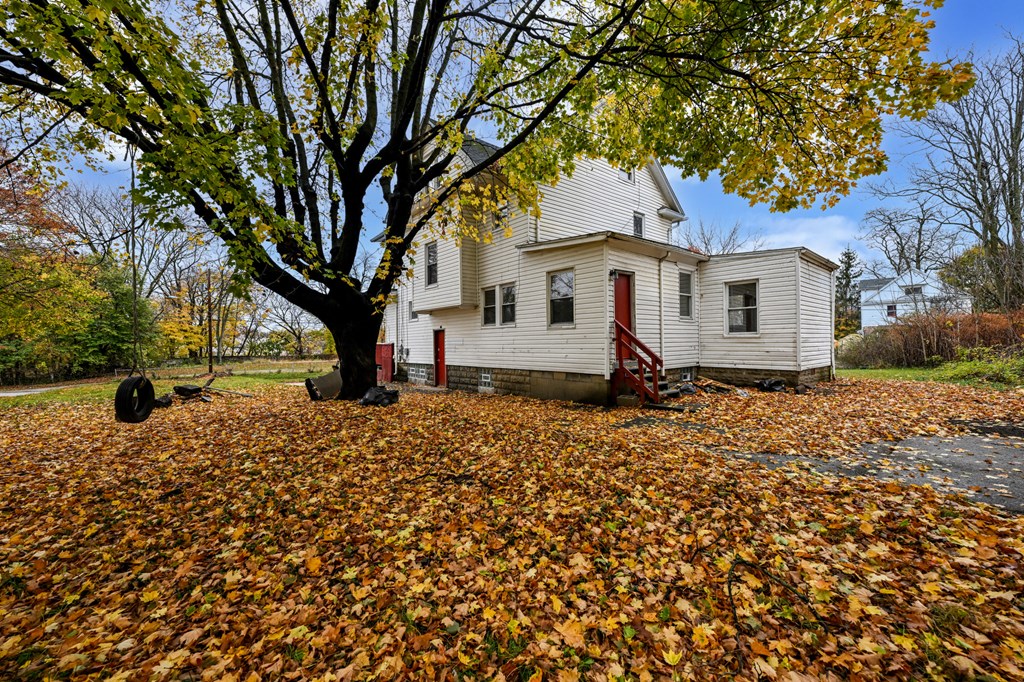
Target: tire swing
[[134, 399]]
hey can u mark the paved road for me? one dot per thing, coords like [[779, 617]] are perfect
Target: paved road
[[986, 464], [28, 391]]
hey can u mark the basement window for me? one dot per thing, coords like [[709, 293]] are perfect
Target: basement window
[[485, 379]]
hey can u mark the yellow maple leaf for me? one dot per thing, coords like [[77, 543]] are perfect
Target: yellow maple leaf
[[672, 657], [313, 564]]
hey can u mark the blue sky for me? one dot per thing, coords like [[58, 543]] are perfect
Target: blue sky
[[960, 26]]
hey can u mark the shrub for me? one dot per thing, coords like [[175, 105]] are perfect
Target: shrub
[[929, 339]]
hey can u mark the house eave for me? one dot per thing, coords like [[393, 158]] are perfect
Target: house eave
[[625, 241]]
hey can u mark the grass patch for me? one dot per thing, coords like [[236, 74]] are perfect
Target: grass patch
[[997, 373], [99, 391]]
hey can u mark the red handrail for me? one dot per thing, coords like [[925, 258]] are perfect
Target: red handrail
[[629, 347]]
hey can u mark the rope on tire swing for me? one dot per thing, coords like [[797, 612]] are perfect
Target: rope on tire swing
[[134, 399]]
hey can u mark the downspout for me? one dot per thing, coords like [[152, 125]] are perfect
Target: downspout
[[607, 319], [661, 307]]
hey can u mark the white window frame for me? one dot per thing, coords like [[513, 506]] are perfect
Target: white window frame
[[432, 246], [757, 307], [643, 224], [628, 175], [515, 302], [893, 313], [484, 306], [693, 284], [413, 315], [550, 276]]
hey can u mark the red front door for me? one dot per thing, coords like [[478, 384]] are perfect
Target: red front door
[[440, 370], [624, 300]]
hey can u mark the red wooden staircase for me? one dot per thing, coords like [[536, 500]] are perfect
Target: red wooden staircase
[[639, 367]]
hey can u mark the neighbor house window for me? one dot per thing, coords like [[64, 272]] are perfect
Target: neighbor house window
[[913, 291], [490, 306], [508, 303], [431, 263], [890, 310], [685, 294], [742, 313], [563, 292], [626, 175], [638, 224], [413, 315]]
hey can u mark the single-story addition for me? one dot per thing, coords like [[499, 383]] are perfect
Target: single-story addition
[[887, 300], [591, 299]]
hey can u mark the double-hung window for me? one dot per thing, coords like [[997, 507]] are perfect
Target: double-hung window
[[638, 224], [562, 297], [742, 307], [490, 307], [508, 303], [431, 263], [686, 295]]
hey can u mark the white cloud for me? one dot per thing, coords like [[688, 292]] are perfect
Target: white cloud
[[827, 235]]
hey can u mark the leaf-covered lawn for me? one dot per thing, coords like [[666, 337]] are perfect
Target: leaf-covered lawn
[[466, 537]]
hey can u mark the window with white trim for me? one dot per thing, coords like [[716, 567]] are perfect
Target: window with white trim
[[742, 307], [627, 175], [431, 263], [413, 315], [490, 307], [508, 303], [562, 294], [686, 295], [890, 310], [638, 224]]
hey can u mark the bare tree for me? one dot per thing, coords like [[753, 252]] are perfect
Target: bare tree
[[974, 168], [291, 319], [104, 220], [712, 239], [917, 236]]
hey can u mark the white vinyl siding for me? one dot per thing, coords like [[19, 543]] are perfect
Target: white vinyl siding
[[561, 297], [594, 199], [656, 307], [741, 307], [686, 295], [816, 318], [774, 346]]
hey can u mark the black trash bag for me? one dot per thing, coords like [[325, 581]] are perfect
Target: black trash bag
[[379, 396], [163, 401], [770, 385], [188, 390], [687, 389]]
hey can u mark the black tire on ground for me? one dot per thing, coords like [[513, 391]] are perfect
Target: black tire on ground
[[134, 400]]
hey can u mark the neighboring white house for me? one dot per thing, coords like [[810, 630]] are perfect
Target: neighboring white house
[[536, 311], [886, 300]]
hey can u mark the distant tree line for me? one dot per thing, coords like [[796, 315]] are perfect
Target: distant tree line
[[87, 286]]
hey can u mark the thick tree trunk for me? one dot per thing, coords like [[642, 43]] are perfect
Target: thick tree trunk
[[356, 340]]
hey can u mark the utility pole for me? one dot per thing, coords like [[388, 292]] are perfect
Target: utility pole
[[209, 321]]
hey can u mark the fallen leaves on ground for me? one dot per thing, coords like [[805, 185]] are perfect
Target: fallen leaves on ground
[[844, 415], [455, 536]]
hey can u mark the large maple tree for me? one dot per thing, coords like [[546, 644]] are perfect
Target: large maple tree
[[276, 120]]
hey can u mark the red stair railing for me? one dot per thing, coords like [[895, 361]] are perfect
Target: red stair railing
[[629, 347]]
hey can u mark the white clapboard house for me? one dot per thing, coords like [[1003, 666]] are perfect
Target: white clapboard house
[[889, 300], [589, 300]]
